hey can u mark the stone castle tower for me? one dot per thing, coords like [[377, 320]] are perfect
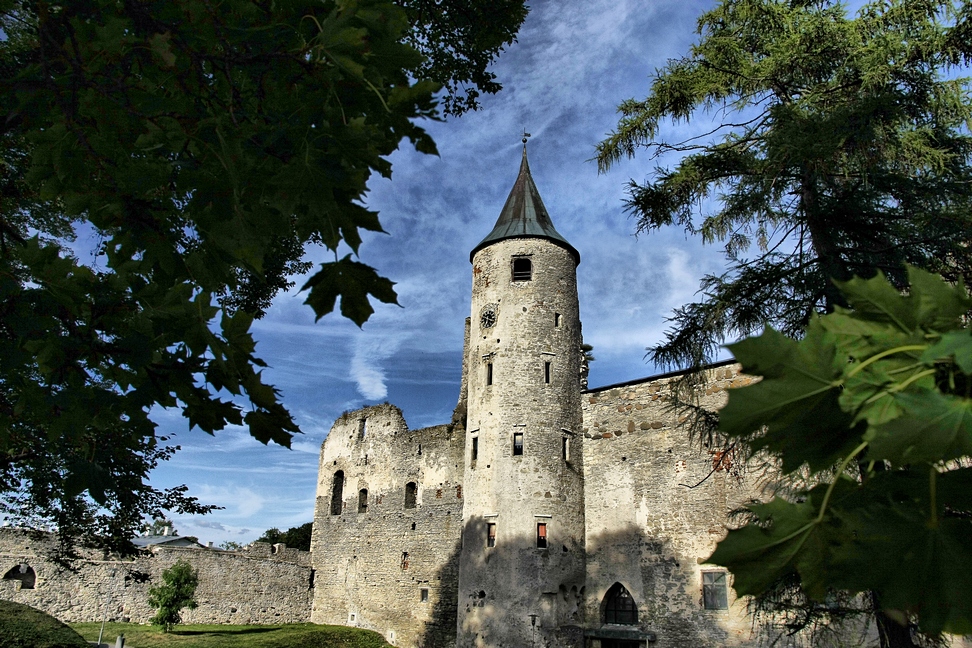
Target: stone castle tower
[[545, 514], [523, 515]]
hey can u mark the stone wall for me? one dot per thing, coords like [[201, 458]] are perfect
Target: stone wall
[[261, 584], [655, 509], [389, 568]]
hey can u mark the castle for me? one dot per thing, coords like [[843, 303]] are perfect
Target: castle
[[544, 513]]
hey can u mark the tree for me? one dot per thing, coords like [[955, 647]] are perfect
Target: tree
[[177, 592], [846, 153], [204, 148], [159, 526], [459, 40], [884, 393], [298, 537]]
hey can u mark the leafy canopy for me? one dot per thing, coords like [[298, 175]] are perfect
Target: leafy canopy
[[203, 147], [882, 390], [177, 592], [298, 537], [843, 150]]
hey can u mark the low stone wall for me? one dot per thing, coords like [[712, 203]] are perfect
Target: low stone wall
[[260, 584]]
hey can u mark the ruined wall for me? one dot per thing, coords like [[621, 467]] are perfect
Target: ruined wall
[[261, 584], [373, 566], [650, 523]]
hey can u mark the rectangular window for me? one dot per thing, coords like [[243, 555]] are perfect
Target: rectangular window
[[541, 535], [517, 443], [556, 320], [489, 373], [522, 269], [546, 372], [475, 449], [362, 428], [424, 595], [565, 448], [404, 560], [490, 534], [715, 590]]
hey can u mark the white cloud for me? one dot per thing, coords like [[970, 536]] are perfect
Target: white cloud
[[239, 501]]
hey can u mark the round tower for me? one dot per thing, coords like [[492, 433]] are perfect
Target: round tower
[[522, 565]]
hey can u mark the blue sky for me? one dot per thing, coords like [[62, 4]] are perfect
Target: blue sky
[[575, 61]]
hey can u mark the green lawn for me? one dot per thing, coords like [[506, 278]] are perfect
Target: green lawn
[[22, 626], [298, 635]]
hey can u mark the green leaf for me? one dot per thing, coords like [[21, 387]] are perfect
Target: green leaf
[[934, 427], [797, 400], [937, 304], [353, 282], [762, 552], [876, 300], [954, 344], [891, 544], [270, 426]]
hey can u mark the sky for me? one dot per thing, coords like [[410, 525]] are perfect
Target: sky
[[574, 62]]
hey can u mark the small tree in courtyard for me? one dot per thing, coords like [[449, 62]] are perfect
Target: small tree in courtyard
[[177, 592]]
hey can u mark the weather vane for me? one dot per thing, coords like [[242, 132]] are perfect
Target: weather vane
[[525, 136]]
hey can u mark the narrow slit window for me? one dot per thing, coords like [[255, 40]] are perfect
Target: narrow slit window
[[546, 372], [490, 534], [489, 373], [714, 591], [556, 320], [541, 535], [337, 493], [565, 448], [411, 493], [404, 560], [517, 443], [522, 269], [474, 455], [362, 428], [363, 500]]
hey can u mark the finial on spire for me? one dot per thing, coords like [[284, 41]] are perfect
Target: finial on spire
[[525, 136]]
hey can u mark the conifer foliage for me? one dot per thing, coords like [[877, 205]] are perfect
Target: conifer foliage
[[844, 151], [882, 391]]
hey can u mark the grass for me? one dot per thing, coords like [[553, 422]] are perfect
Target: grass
[[22, 626], [296, 635]]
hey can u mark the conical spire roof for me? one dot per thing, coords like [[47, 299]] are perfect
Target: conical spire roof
[[524, 215]]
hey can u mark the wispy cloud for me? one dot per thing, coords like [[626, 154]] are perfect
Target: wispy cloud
[[575, 61]]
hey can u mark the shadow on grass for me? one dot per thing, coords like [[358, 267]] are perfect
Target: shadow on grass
[[228, 631]]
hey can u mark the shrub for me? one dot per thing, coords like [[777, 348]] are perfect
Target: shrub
[[176, 593]]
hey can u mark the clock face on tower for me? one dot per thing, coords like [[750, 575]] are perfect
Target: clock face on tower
[[488, 316]]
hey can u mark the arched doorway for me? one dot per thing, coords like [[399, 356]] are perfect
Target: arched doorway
[[24, 573], [619, 609]]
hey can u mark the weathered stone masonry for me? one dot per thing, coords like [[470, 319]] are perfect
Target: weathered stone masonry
[[261, 584], [585, 516], [544, 515], [392, 564]]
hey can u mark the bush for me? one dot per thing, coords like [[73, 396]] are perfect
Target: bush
[[178, 591]]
